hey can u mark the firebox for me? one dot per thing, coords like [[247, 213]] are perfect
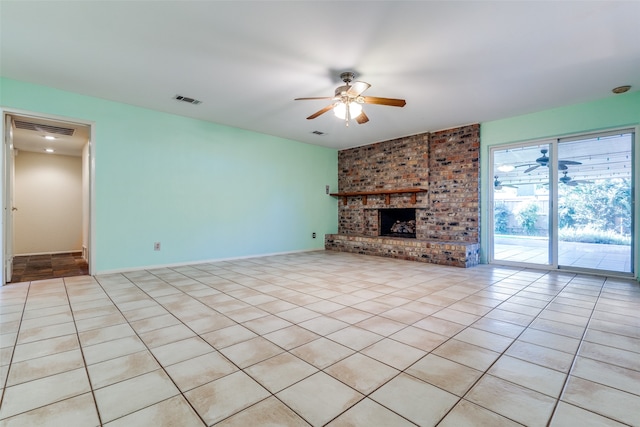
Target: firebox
[[400, 222]]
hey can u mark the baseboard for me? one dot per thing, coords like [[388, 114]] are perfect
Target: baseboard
[[50, 253], [204, 261]]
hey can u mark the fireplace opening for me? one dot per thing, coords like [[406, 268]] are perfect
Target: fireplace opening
[[397, 222]]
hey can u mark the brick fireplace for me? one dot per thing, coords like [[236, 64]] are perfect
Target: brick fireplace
[[435, 175]]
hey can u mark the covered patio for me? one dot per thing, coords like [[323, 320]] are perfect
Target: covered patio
[[616, 258]]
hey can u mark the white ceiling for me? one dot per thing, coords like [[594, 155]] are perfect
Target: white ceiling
[[455, 62]]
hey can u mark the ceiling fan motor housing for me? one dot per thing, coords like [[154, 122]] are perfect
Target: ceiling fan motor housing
[[347, 77], [544, 160], [341, 91]]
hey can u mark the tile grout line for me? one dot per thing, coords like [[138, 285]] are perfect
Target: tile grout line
[[15, 344], [84, 361]]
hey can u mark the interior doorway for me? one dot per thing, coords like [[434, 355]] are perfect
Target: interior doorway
[[565, 203], [47, 183]]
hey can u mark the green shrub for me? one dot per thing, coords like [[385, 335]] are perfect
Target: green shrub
[[527, 217], [501, 218], [592, 235]]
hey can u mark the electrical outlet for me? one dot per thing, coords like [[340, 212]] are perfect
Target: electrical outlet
[[327, 189], [313, 235], [156, 246]]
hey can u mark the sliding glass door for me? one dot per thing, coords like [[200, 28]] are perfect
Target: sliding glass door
[[565, 203], [594, 203], [521, 200]]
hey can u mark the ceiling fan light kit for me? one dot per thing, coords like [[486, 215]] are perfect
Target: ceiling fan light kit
[[348, 101], [340, 110]]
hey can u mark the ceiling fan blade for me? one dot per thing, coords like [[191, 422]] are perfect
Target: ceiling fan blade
[[307, 99], [385, 101], [317, 113], [531, 168], [582, 181], [362, 118], [357, 88], [568, 162]]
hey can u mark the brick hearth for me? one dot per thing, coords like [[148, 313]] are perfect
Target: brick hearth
[[446, 165]]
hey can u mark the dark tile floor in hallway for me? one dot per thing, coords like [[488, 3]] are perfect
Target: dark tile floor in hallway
[[48, 266]]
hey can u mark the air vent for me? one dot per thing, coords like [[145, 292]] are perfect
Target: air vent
[[317, 132], [38, 127], [187, 99]]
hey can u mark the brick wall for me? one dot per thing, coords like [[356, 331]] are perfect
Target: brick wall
[[397, 163], [454, 185], [446, 163]]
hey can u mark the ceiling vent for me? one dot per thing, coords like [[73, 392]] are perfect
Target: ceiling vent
[[187, 99], [38, 127], [317, 132]]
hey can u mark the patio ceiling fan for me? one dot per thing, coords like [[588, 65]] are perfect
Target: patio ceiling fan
[[567, 180], [348, 99], [544, 161], [498, 185]]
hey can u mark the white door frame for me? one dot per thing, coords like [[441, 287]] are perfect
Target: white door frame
[[8, 164], [91, 196]]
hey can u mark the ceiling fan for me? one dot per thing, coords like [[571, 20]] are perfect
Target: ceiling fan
[[348, 100], [498, 185], [567, 180], [544, 161]]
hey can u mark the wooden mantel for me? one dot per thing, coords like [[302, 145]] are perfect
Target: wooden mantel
[[387, 194]]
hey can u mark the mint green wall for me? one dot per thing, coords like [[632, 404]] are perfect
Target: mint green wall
[[616, 111], [203, 190]]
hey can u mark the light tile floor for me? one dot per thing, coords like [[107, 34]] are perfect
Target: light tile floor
[[321, 338]]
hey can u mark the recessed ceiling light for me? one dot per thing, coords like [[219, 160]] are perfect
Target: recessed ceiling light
[[49, 137], [49, 150], [621, 89]]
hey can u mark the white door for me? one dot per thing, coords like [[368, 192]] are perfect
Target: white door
[[8, 198]]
